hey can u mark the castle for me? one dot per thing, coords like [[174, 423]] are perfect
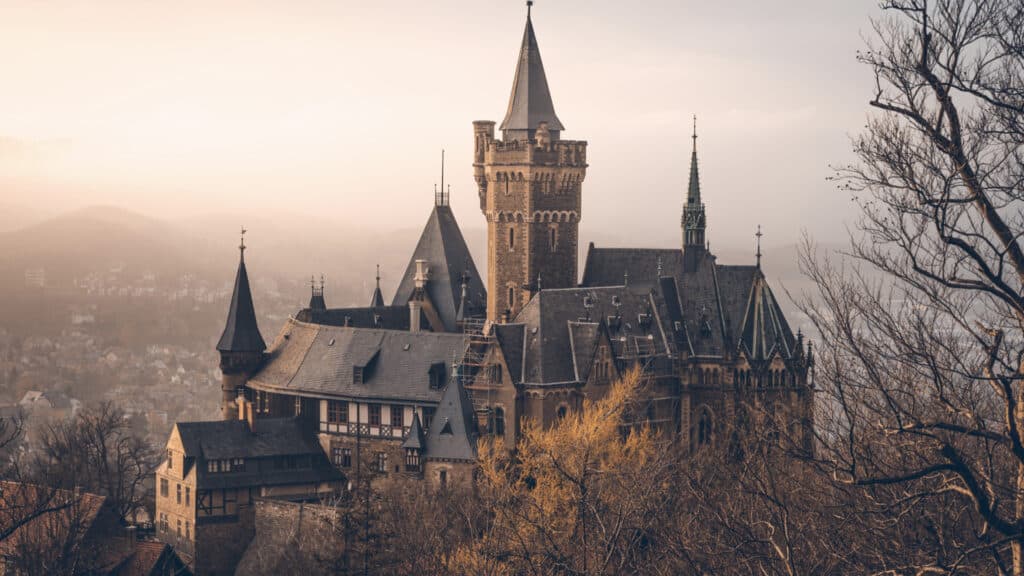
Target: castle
[[403, 391]]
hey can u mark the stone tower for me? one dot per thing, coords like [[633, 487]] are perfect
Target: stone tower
[[529, 184], [241, 346], [694, 220]]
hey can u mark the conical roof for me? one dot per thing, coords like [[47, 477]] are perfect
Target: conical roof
[[241, 334], [415, 439], [441, 244], [452, 434], [377, 299], [530, 102]]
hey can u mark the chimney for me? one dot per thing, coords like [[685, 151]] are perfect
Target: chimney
[[240, 401], [414, 315], [506, 316], [422, 274], [250, 417]]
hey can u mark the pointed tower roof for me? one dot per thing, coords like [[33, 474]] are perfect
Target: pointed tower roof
[[693, 194], [453, 434], [441, 244], [530, 102], [415, 439], [241, 334], [765, 330], [377, 299]]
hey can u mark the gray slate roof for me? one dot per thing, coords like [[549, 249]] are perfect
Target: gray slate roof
[[224, 439], [415, 439], [387, 317], [608, 266], [722, 308], [560, 332], [241, 334], [530, 102], [453, 434], [444, 248], [318, 360]]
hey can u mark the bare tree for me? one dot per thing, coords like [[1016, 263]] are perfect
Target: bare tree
[[97, 451], [923, 326]]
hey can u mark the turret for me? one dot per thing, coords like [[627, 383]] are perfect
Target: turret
[[241, 346]]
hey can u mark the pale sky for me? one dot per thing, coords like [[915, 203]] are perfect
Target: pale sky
[[340, 108]]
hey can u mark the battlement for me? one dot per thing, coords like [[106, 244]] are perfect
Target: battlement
[[559, 153]]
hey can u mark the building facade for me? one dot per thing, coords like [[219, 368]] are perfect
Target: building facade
[[405, 391]]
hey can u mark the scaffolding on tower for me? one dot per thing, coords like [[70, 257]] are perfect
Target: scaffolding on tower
[[477, 377]]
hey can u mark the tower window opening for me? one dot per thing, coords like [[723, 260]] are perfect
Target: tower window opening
[[511, 238], [511, 297], [553, 238]]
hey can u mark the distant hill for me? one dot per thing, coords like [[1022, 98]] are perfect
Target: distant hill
[[92, 239], [15, 216]]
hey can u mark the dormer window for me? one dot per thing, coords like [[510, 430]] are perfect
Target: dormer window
[[436, 375], [357, 375]]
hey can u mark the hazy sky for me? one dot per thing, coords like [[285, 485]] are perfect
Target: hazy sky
[[340, 108]]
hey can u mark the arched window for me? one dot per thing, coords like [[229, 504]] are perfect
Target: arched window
[[704, 427], [498, 422], [511, 297], [511, 238], [562, 412], [553, 238]]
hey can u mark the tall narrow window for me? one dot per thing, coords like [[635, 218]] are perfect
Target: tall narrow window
[[396, 416], [553, 238], [170, 460], [444, 479], [499, 422], [179, 493], [511, 238], [704, 427], [511, 297], [374, 418], [382, 462], [412, 460]]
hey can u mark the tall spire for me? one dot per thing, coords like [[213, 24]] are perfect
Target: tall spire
[[530, 101], [241, 333], [693, 196], [694, 219], [377, 300]]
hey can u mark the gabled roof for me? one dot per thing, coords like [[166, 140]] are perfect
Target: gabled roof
[[453, 434], [530, 101], [441, 244], [711, 301], [551, 317], [318, 360], [583, 338], [764, 329], [241, 334]]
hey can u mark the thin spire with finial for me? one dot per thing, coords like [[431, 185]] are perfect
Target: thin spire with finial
[[441, 197], [529, 5], [241, 245], [377, 298], [758, 253]]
